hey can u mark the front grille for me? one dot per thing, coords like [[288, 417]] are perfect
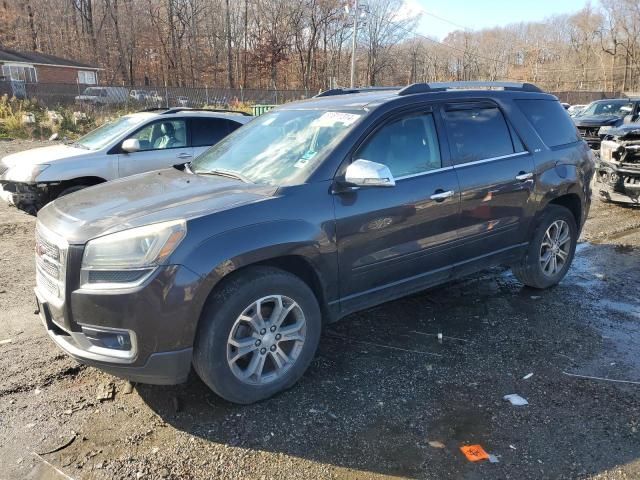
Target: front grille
[[50, 256], [47, 285], [588, 132], [3, 168]]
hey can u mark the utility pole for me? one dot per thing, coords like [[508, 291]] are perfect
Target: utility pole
[[353, 44]]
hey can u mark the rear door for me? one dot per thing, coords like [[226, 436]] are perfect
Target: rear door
[[496, 178], [395, 239], [163, 143], [209, 131]]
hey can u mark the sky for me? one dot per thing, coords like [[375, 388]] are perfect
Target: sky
[[479, 14]]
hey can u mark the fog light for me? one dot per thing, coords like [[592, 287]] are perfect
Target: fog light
[[113, 339]]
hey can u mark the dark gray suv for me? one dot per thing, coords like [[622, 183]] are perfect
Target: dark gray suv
[[310, 212]]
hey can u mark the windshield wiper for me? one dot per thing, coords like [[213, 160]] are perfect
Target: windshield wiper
[[77, 145], [224, 173]]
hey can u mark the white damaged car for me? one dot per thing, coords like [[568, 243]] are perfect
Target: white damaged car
[[134, 143]]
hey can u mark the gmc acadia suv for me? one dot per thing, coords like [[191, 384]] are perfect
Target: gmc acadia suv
[[310, 212]]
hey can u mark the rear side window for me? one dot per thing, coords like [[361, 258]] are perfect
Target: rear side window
[[478, 133], [209, 131], [550, 120]]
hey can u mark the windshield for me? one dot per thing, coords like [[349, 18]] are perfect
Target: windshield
[[279, 147], [608, 108], [102, 136]]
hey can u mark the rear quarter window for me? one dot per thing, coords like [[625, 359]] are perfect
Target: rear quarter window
[[550, 120]]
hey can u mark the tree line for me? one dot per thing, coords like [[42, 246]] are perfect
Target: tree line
[[306, 44]]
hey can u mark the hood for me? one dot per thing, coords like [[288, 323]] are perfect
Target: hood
[[596, 120], [630, 131], [43, 155], [143, 199]]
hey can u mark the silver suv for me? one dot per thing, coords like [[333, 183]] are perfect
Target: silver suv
[[134, 143]]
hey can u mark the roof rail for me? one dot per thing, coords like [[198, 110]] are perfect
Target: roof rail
[[187, 109], [443, 86], [345, 91]]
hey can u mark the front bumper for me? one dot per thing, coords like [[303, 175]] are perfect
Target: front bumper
[[616, 184], [157, 318]]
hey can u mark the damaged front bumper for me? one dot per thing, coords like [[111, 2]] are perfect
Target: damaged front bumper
[[29, 197], [617, 176]]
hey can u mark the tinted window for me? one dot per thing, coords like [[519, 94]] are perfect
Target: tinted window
[[407, 146], [550, 121], [478, 133], [209, 131]]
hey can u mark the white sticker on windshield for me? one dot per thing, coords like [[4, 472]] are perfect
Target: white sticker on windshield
[[329, 119]]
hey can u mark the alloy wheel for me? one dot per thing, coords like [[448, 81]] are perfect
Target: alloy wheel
[[266, 340], [555, 248]]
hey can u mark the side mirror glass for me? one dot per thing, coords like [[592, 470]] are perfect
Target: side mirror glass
[[363, 173], [131, 145]]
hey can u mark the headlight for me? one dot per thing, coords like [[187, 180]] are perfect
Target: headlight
[[24, 172], [127, 258]]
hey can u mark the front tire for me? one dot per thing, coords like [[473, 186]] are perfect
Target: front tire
[[257, 335], [551, 250]]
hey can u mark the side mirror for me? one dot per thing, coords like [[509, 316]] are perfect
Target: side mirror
[[363, 173], [131, 145]]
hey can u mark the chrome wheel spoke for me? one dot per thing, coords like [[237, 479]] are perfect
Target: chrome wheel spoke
[[280, 358], [292, 332], [255, 367], [243, 347], [283, 313], [562, 255]]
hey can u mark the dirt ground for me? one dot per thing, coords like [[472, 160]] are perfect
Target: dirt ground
[[380, 389]]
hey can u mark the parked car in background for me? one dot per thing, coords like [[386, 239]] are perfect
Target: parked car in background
[[131, 144], [143, 96], [565, 105], [103, 96], [602, 115], [617, 176], [312, 211], [574, 110], [182, 101]]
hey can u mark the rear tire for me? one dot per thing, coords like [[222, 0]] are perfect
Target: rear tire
[[554, 240], [241, 316]]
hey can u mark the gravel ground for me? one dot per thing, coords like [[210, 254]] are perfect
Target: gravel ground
[[380, 389]]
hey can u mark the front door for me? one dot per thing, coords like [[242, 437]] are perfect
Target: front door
[[163, 144], [392, 240], [496, 178]]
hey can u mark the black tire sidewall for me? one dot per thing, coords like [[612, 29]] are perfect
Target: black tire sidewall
[[551, 214], [219, 316]]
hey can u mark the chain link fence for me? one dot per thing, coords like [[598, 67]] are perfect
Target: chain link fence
[[134, 97], [106, 98]]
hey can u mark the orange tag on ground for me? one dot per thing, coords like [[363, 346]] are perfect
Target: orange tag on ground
[[474, 453]]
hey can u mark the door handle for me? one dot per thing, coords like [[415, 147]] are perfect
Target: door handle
[[440, 196], [184, 155], [523, 177]]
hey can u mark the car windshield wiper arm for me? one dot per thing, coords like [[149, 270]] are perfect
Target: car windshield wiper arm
[[224, 173]]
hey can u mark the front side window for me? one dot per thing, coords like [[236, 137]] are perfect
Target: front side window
[[477, 133], [162, 135], [102, 136], [407, 146], [280, 147]]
